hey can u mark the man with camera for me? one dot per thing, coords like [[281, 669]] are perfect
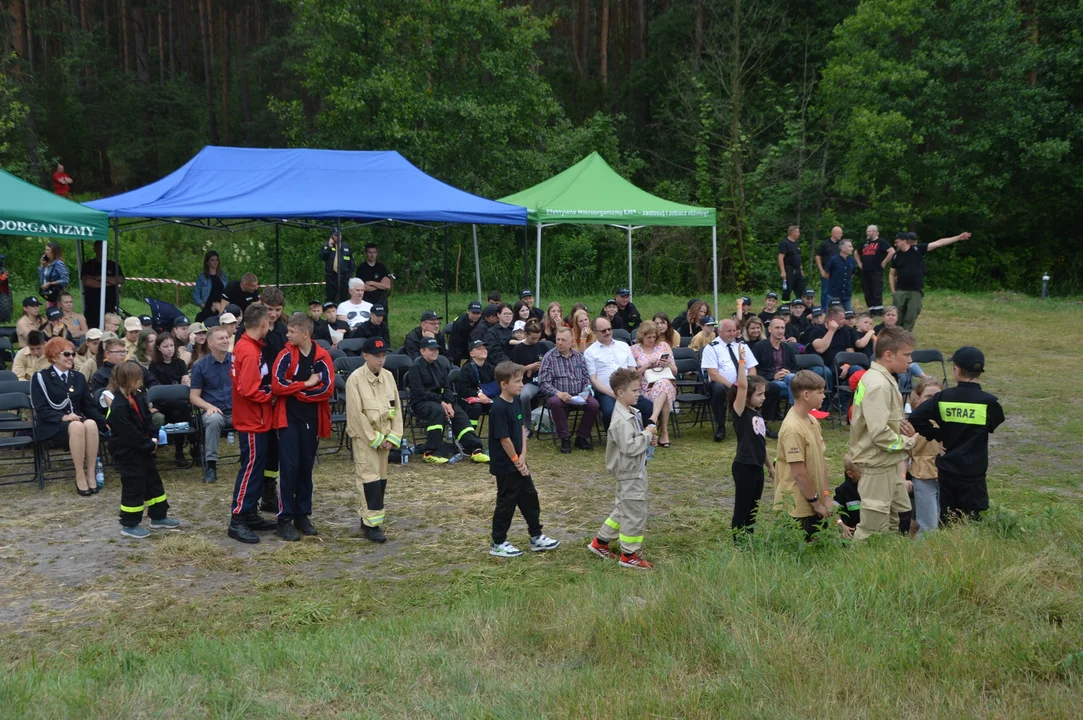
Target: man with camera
[[338, 266]]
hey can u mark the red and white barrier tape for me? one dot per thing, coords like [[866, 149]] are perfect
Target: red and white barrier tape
[[181, 283]]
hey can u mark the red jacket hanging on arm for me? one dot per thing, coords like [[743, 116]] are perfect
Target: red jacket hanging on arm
[[251, 387], [283, 385]]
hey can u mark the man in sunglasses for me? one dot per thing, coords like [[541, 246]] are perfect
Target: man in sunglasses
[[603, 359]]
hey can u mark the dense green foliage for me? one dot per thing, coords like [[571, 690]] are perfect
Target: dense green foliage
[[911, 114]]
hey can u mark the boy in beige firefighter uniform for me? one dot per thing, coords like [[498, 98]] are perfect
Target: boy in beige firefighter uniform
[[374, 421], [880, 437], [626, 457]]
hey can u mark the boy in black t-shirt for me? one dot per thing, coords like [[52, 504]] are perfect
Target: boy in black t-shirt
[[507, 462], [770, 308]]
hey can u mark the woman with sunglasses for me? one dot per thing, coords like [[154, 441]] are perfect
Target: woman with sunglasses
[[66, 413]]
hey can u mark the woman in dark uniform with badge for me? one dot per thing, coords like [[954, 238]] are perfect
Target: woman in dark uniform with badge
[[66, 412]]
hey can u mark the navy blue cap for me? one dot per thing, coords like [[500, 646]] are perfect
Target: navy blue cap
[[378, 311], [773, 295], [708, 320], [428, 342], [525, 294], [31, 302], [474, 306], [969, 358], [609, 302], [624, 292], [54, 313], [809, 292], [476, 344], [817, 310], [181, 321], [429, 315]]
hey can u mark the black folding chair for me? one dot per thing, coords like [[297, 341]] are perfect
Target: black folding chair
[[351, 347], [7, 353], [23, 437], [176, 395], [8, 376], [693, 397], [622, 335], [932, 356], [842, 395], [684, 353]]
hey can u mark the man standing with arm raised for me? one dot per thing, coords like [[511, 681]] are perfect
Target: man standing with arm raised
[[907, 276]]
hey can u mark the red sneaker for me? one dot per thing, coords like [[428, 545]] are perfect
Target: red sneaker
[[601, 550], [634, 561]]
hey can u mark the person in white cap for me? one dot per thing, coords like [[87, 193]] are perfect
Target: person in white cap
[[132, 328]]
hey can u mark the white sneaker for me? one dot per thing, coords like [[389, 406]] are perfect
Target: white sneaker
[[543, 543], [505, 550]]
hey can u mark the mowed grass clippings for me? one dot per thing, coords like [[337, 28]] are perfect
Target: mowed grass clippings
[[978, 621]]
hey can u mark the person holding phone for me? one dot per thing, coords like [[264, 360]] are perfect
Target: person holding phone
[[651, 354]]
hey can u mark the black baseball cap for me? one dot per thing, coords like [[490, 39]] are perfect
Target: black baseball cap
[[784, 310], [624, 292], [809, 292], [797, 301], [692, 302], [145, 320], [378, 311], [491, 310], [969, 358], [834, 303], [429, 342], [375, 346], [746, 300], [31, 302], [609, 302], [429, 315], [54, 313], [817, 310], [772, 295], [476, 344], [708, 320], [314, 302], [526, 293], [902, 236], [330, 305], [912, 236], [474, 306], [849, 314], [235, 309], [181, 321]]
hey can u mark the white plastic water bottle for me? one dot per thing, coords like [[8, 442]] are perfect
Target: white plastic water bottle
[[229, 438], [99, 473]]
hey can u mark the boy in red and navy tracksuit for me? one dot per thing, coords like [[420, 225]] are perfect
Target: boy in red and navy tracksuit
[[252, 420], [302, 380]]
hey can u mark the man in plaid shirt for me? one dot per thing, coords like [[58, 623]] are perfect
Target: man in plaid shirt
[[564, 383]]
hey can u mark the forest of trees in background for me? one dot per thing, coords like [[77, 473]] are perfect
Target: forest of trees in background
[[911, 114]]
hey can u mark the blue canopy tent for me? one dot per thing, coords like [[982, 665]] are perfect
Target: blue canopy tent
[[232, 189]]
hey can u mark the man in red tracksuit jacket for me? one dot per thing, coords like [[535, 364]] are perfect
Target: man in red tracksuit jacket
[[252, 420], [302, 381]]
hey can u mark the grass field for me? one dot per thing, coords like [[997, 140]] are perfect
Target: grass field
[[982, 621]]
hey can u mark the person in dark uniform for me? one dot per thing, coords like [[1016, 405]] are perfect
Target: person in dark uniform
[[429, 328], [499, 335], [338, 265], [374, 327], [527, 298], [789, 264], [376, 276], [303, 380], [770, 308], [610, 311], [490, 316], [431, 402], [330, 322], [964, 417], [92, 286], [460, 332], [827, 249], [243, 292], [66, 412], [873, 257], [476, 386], [627, 309]]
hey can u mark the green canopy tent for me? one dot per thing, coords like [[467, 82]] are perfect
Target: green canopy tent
[[592, 193], [26, 209]]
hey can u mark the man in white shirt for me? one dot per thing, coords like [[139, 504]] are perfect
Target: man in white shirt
[[603, 359], [355, 310], [720, 359]]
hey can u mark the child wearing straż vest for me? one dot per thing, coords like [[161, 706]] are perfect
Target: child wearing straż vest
[[132, 444]]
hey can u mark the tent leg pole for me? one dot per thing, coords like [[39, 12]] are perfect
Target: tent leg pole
[[104, 276], [338, 260], [477, 262], [116, 259], [714, 266], [537, 268], [526, 258], [629, 258], [446, 305], [278, 281], [79, 266]]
